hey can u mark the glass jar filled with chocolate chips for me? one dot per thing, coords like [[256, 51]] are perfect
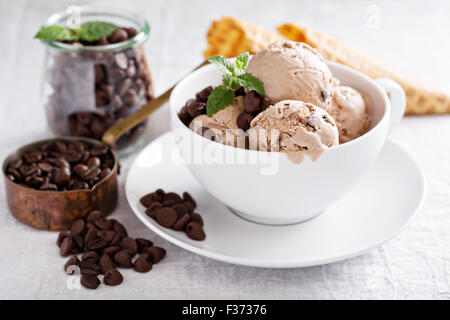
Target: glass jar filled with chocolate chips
[[96, 72]]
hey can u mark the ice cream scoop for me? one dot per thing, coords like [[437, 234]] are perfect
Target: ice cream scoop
[[223, 124], [294, 71], [352, 113], [294, 127]]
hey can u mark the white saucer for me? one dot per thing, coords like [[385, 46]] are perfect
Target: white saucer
[[379, 208]]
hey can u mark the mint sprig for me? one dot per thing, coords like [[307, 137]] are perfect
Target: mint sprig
[[89, 31], [93, 30], [234, 77], [56, 33]]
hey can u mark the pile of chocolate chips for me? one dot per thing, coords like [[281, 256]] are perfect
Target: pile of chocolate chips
[[106, 247], [62, 166], [254, 103], [175, 212], [93, 91]]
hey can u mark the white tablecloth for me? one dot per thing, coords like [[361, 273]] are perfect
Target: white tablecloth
[[416, 264]]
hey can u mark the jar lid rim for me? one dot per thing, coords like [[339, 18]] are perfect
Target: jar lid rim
[[93, 10]]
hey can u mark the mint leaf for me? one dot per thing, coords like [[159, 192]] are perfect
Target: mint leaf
[[241, 61], [249, 81], [223, 64], [56, 33], [93, 30], [219, 98]]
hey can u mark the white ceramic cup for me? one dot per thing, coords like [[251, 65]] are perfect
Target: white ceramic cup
[[266, 187]]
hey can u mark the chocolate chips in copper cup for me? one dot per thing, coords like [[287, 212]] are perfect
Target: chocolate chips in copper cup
[[51, 183], [89, 91], [61, 166]]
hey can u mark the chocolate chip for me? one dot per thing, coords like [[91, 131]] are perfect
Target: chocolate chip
[[203, 95], [252, 102], [104, 224], [91, 235], [184, 116], [156, 254], [78, 242], [90, 256], [244, 120], [152, 209], [123, 258], [120, 230], [94, 216], [197, 218], [189, 206], [77, 227], [172, 196], [97, 244], [106, 263], [88, 267], [107, 235], [147, 200], [131, 32], [239, 92], [180, 210], [111, 251], [90, 281], [143, 244], [103, 41], [130, 244], [195, 108], [188, 197], [166, 217], [194, 230], [143, 263], [113, 277], [16, 163], [73, 261], [265, 104], [66, 246], [62, 176], [118, 35], [61, 236], [181, 223]]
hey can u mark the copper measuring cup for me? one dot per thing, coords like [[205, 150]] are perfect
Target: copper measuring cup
[[57, 210]]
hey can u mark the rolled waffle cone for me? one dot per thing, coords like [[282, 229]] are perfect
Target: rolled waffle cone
[[420, 98], [230, 37]]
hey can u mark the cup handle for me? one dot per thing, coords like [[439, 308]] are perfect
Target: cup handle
[[397, 97]]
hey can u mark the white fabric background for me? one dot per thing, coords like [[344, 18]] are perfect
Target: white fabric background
[[411, 34]]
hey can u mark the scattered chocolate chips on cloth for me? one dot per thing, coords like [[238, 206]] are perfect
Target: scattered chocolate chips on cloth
[[170, 210], [106, 246]]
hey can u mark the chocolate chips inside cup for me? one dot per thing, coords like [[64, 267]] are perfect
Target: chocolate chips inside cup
[[105, 246], [89, 91], [62, 166], [173, 211]]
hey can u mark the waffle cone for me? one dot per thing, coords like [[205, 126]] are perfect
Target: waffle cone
[[420, 98], [230, 37]]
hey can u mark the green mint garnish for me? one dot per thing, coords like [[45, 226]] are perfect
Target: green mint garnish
[[219, 98], [234, 77], [89, 31], [56, 33], [93, 30]]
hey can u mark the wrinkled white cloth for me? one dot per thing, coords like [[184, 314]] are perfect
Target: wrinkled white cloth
[[416, 264]]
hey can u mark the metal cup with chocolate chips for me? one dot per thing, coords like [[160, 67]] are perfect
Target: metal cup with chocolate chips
[[91, 85]]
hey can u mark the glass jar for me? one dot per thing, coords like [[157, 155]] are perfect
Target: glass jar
[[87, 89]]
